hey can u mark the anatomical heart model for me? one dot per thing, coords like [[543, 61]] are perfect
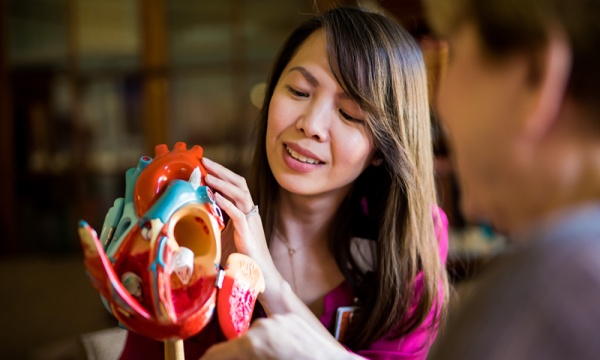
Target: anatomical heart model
[[156, 263]]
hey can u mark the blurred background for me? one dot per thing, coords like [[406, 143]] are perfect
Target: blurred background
[[89, 86]]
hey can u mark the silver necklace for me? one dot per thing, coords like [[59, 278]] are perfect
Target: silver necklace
[[291, 252]]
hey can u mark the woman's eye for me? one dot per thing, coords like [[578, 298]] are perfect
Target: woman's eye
[[348, 117], [296, 92]]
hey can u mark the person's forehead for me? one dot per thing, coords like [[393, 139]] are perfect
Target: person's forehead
[[312, 50], [313, 43]]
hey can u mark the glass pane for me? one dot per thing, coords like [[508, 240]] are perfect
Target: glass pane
[[37, 31], [199, 32], [108, 33]]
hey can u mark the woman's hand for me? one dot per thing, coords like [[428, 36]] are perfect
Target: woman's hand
[[245, 226], [244, 232], [279, 337]]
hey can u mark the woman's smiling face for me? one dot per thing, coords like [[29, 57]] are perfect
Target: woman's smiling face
[[317, 140]]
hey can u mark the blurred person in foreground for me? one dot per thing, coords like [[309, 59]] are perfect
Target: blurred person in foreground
[[520, 105]]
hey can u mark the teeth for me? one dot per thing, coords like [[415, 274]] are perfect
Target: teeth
[[301, 158]]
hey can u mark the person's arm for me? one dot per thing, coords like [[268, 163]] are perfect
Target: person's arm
[[233, 197], [286, 336]]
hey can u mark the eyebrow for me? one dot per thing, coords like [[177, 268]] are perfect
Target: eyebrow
[[309, 77], [313, 81]]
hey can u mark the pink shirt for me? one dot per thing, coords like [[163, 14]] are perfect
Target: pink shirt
[[409, 347]]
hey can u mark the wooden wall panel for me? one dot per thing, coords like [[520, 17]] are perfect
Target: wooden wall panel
[[8, 218], [155, 93]]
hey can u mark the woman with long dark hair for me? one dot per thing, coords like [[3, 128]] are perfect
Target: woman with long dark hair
[[343, 176]]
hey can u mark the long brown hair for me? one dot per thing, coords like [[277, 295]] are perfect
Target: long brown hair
[[380, 66]]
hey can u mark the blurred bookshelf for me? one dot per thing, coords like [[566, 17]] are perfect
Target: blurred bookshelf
[[90, 86], [87, 87]]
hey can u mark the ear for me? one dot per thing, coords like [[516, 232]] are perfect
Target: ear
[[377, 159], [550, 88]]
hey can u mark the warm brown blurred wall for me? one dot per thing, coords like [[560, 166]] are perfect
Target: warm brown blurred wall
[[8, 218], [87, 87]]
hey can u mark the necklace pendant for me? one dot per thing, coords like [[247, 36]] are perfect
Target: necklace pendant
[[291, 252]]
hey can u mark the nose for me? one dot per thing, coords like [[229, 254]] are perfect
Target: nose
[[314, 122]]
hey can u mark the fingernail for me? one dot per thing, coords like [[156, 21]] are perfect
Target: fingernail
[[207, 160], [209, 177]]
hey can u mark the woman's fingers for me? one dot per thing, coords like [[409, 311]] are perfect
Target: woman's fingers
[[229, 184], [245, 225], [248, 235], [231, 350], [230, 208], [224, 173], [240, 225], [240, 197]]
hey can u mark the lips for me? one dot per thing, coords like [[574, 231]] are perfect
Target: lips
[[302, 155]]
